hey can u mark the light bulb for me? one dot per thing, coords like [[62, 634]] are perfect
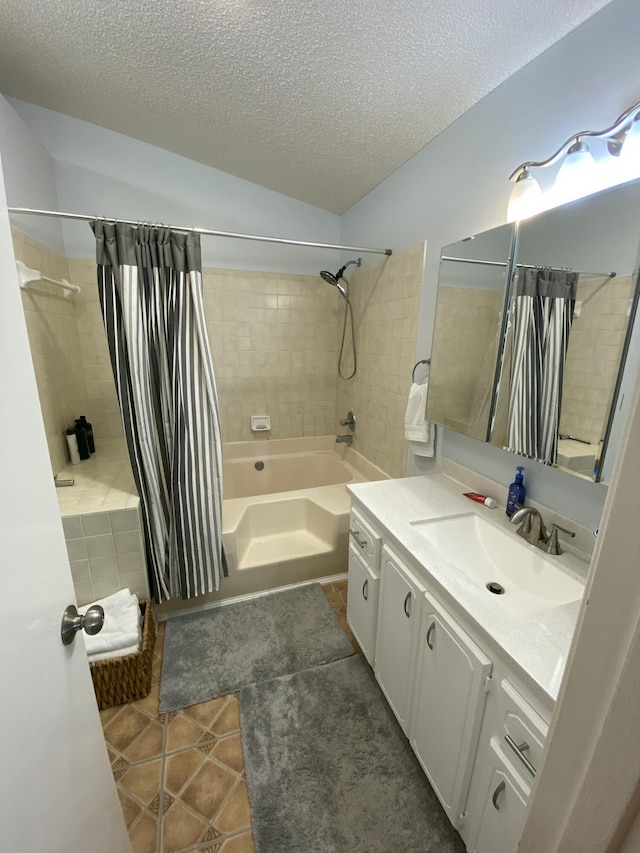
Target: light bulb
[[526, 197], [577, 175], [630, 154]]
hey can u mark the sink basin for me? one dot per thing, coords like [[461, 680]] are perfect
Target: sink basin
[[525, 579]]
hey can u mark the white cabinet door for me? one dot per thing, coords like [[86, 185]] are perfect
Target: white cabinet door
[[395, 647], [449, 702], [362, 604], [505, 803]]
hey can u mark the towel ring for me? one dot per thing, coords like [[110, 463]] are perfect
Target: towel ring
[[417, 364]]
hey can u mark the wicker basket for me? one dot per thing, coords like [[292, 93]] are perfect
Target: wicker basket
[[127, 678]]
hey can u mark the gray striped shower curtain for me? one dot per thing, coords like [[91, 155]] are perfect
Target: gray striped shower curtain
[[541, 317], [150, 286]]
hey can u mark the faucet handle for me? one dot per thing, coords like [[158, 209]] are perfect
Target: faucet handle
[[349, 421], [551, 544]]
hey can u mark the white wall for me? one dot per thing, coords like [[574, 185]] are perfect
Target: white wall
[[444, 194], [107, 174], [29, 178]]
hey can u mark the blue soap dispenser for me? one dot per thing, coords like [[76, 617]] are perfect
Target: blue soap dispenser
[[516, 492]]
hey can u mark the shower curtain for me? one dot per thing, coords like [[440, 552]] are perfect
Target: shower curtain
[[542, 313], [150, 285]]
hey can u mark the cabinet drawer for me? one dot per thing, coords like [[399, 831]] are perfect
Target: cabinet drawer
[[366, 541], [519, 725], [362, 604]]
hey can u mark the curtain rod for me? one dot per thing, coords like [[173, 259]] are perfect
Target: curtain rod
[[519, 266], [207, 232]]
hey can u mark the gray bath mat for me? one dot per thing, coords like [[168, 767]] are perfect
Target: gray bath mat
[[329, 769], [221, 650]]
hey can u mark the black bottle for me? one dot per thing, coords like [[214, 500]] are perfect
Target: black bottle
[[89, 430], [83, 442]]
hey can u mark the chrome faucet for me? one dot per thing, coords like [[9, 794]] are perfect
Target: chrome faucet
[[344, 439], [532, 529]]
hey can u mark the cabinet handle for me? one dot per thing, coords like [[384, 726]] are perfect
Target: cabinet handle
[[496, 794], [357, 538], [432, 628], [519, 748], [407, 599], [365, 590]]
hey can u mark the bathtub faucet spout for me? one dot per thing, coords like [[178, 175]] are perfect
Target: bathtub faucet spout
[[344, 439]]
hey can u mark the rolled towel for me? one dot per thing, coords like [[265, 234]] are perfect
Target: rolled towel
[[121, 627], [115, 653]]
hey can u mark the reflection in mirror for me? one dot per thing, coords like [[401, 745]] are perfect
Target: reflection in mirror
[[570, 304], [467, 331]]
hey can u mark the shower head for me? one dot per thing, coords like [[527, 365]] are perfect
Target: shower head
[[330, 278]]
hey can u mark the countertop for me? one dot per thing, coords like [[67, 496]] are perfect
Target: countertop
[[538, 644]]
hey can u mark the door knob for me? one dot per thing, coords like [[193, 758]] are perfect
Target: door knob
[[72, 622]]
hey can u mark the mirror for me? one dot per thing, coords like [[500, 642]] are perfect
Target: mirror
[[467, 331], [559, 339]]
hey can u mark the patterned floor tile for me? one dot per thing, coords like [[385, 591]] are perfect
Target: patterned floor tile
[[236, 812], [125, 727], [239, 844], [228, 751], [144, 834], [143, 782], [208, 789], [181, 829]]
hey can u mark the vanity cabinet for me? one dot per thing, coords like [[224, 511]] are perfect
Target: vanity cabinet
[[503, 806], [510, 752], [362, 604], [396, 635], [476, 722], [449, 697], [364, 578]]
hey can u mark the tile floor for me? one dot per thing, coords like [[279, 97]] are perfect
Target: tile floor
[[180, 776]]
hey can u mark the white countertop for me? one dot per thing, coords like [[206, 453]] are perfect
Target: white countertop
[[537, 644]]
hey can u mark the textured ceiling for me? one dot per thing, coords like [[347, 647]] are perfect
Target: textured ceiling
[[317, 99]]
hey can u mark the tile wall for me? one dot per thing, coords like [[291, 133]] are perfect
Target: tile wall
[[386, 303], [273, 339], [102, 400], [106, 553], [52, 324], [593, 356]]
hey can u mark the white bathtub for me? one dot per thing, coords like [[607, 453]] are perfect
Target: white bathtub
[[288, 521]]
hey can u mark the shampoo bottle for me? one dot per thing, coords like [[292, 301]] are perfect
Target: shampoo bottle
[[83, 443], [89, 431], [516, 492]]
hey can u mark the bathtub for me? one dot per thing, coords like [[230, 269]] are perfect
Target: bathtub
[[283, 524], [286, 510]]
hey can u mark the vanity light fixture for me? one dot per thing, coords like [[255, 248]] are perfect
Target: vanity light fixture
[[580, 174]]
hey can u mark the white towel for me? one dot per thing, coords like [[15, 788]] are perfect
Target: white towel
[[121, 628], [417, 429], [114, 653]]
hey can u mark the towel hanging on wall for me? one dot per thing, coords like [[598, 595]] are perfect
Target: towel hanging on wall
[[417, 429]]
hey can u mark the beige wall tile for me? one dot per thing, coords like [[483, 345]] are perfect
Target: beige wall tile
[[273, 341], [52, 325], [590, 370], [386, 302]]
